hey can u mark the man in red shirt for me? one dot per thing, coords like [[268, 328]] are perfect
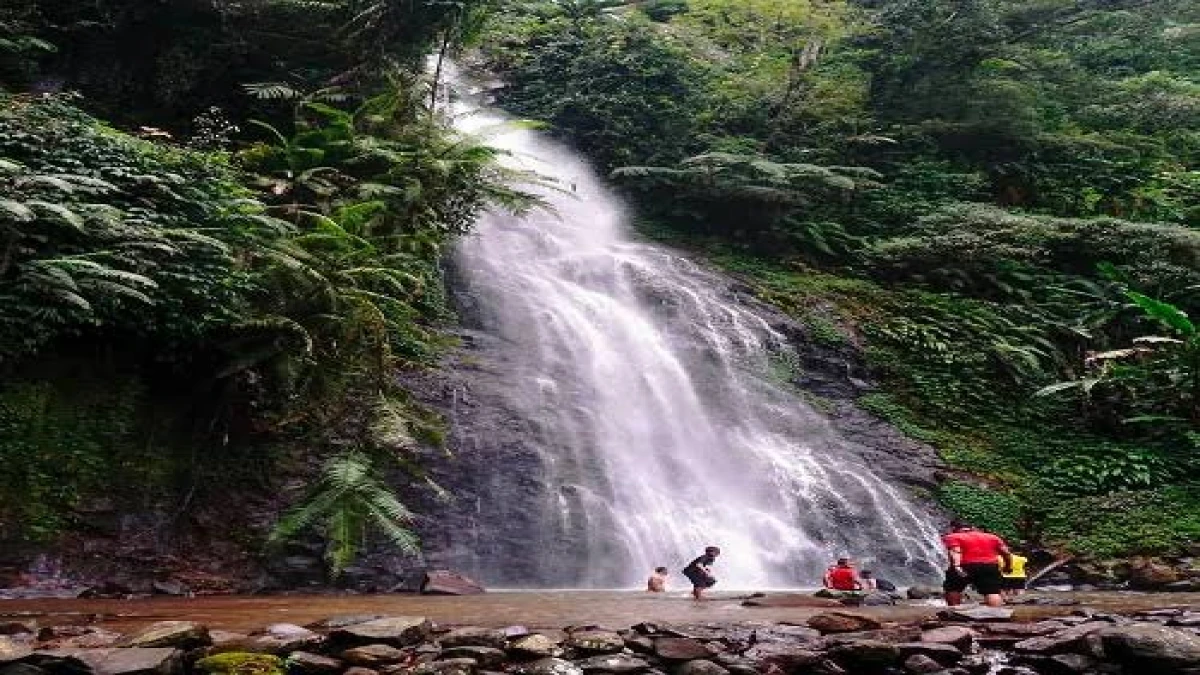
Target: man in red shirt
[[843, 576], [974, 562]]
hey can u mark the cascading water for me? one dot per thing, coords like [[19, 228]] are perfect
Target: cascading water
[[655, 413]]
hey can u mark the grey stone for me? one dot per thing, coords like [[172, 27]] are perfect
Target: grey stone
[[613, 663], [865, 655], [534, 645], [446, 582], [343, 620], [947, 655], [373, 656], [398, 631], [1150, 648], [877, 599], [772, 656], [919, 592], [181, 634], [1068, 640], [595, 642], [473, 636], [958, 636], [1068, 664], [549, 666], [640, 644], [842, 622], [919, 664], [702, 667], [124, 660], [169, 587], [13, 650], [486, 657], [307, 663], [447, 667], [682, 649]]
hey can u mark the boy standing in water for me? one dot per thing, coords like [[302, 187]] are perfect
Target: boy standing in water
[[699, 572], [1015, 578], [657, 583]]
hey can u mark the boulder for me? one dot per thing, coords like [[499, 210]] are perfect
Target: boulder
[[13, 650], [120, 661], [343, 620], [790, 600], [94, 638], [947, 655], [776, 657], [877, 599], [446, 667], [307, 663], [1151, 575], [702, 667], [397, 631], [976, 614], [640, 644], [919, 592], [682, 649], [534, 645], [956, 636], [919, 664], [864, 655], [1149, 648], [894, 635], [1071, 639], [169, 587], [180, 634], [373, 656], [595, 642], [842, 622], [446, 582], [472, 636], [549, 666], [1068, 664], [613, 663], [486, 657]]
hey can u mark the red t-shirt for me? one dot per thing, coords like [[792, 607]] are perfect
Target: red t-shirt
[[976, 546], [842, 579]]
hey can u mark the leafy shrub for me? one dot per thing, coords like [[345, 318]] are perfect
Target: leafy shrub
[[1162, 521], [984, 508]]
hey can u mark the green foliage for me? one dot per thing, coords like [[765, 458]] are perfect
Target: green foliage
[[241, 663], [1160, 521], [985, 508], [349, 498]]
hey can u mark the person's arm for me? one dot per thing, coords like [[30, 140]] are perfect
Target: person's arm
[[859, 585], [825, 580], [955, 553]]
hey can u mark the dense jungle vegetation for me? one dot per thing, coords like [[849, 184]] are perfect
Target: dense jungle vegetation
[[222, 227], [997, 199]]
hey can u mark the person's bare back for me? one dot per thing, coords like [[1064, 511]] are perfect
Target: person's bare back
[[657, 583]]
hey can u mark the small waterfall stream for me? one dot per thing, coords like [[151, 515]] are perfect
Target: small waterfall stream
[[658, 410]]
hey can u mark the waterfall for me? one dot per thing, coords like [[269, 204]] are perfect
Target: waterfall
[[655, 414]]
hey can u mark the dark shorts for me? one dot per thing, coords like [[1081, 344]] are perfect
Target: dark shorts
[[699, 579], [985, 577], [1014, 583]]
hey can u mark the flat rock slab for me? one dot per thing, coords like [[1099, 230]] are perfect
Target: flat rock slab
[[1150, 648], [122, 660], [1071, 639], [842, 622], [472, 636], [682, 649], [397, 631], [534, 645], [613, 663], [701, 668], [373, 656], [551, 666], [596, 642], [13, 650], [445, 582], [956, 636], [791, 600], [947, 655], [181, 634], [446, 667], [976, 614], [486, 657], [307, 663]]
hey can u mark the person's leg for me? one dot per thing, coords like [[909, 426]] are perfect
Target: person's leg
[[953, 587], [953, 598], [697, 593], [987, 580]]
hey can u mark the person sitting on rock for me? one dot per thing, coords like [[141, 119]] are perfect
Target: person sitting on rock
[[657, 583], [699, 572], [973, 562], [871, 583], [843, 577]]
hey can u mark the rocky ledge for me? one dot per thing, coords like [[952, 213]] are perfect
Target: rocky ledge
[[973, 641]]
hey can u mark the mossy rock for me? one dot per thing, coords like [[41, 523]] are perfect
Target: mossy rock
[[241, 663]]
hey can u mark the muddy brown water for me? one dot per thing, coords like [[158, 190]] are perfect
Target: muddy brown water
[[544, 610]]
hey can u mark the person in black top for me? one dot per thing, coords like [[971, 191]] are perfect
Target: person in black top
[[699, 572]]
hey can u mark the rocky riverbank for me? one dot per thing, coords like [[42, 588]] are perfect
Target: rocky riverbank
[[973, 641]]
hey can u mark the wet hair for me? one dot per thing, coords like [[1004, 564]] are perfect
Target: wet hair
[[865, 573], [957, 524], [712, 550], [843, 561], [660, 570]]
